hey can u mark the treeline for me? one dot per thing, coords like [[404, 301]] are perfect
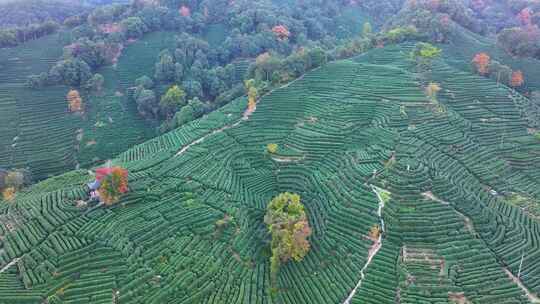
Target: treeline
[[20, 13], [10, 37], [282, 42], [523, 39], [515, 22], [194, 72], [434, 18], [21, 21]]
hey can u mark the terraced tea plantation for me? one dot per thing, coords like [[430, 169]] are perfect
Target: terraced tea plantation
[[35, 130], [363, 146], [113, 123]]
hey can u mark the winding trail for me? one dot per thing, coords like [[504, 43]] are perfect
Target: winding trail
[[374, 248], [245, 116], [13, 262]]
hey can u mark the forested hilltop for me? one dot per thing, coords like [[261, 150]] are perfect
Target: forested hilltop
[[81, 72], [194, 56], [291, 152]]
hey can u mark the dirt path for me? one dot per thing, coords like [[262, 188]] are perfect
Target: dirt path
[[468, 222], [532, 297], [13, 262], [288, 159], [373, 250], [469, 225], [245, 116], [429, 195]]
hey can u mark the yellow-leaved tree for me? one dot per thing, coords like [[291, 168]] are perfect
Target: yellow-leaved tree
[[252, 93]]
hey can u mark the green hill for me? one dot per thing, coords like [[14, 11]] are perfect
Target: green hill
[[362, 145], [41, 134], [463, 45]]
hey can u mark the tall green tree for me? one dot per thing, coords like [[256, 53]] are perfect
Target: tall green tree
[[165, 68], [288, 224], [171, 102]]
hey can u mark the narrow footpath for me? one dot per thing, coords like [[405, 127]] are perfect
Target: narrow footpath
[[245, 116], [374, 248], [13, 262]]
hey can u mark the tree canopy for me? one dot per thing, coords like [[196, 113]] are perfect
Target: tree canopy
[[287, 222], [172, 100], [113, 185]]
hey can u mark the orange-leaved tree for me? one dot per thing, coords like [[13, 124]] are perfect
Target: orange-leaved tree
[[74, 101], [481, 62], [113, 185], [517, 79]]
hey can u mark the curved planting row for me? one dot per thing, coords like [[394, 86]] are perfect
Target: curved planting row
[[39, 134], [191, 229]]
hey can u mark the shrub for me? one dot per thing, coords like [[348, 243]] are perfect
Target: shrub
[[423, 54], [272, 148], [37, 81], [400, 34]]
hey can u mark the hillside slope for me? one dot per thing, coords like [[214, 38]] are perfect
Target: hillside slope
[[344, 132], [41, 134]]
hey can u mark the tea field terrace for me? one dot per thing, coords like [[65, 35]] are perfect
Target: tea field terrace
[[191, 230]]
